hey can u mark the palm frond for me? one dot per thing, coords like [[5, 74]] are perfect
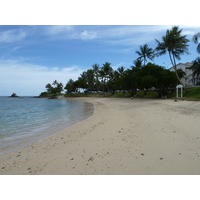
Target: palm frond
[[173, 43], [198, 48], [138, 52], [145, 53], [195, 38]]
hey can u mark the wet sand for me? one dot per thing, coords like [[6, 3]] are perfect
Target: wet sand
[[123, 137]]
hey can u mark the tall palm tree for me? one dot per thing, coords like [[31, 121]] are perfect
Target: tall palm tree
[[195, 39], [196, 70], [144, 53], [175, 44], [119, 76], [106, 72], [121, 70], [90, 79], [96, 74], [83, 81], [107, 68]]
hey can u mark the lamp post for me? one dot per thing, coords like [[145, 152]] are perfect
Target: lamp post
[[167, 65]]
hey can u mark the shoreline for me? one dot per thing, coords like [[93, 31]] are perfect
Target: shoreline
[[123, 136], [13, 142]]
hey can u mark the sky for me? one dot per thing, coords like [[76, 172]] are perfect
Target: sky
[[33, 55], [43, 41]]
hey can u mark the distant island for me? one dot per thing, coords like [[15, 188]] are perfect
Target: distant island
[[14, 95]]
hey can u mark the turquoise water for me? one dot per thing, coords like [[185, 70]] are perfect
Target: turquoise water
[[27, 120]]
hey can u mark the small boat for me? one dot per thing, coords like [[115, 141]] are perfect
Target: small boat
[[14, 95]]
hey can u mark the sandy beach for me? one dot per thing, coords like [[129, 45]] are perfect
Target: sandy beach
[[122, 137]]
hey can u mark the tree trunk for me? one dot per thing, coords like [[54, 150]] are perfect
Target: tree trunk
[[174, 66]]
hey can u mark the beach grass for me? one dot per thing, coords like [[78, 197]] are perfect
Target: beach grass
[[193, 94]]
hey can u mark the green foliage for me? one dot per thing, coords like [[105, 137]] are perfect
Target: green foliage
[[45, 94], [71, 86], [173, 43], [121, 95], [196, 71], [53, 89], [147, 81], [119, 83], [148, 95], [154, 76], [144, 53], [180, 73], [191, 94], [195, 39]]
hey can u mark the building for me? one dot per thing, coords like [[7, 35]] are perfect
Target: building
[[187, 80]]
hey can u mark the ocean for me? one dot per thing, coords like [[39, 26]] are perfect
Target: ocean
[[26, 120]]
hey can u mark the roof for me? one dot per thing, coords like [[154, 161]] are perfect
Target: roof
[[187, 63]]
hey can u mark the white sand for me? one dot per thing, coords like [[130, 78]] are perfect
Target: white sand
[[122, 137]]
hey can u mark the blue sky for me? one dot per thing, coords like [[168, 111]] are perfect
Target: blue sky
[[32, 56]]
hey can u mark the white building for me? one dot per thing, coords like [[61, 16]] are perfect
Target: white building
[[187, 80]]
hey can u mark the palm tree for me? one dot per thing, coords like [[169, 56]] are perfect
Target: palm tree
[[83, 80], [107, 68], [96, 74], [119, 75], [144, 53], [137, 63], [196, 70], [106, 72], [175, 44], [196, 41], [121, 70], [48, 87], [90, 79]]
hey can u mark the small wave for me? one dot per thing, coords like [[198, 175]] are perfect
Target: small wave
[[30, 120]]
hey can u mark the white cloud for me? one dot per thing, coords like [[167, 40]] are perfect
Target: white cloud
[[125, 38], [67, 32], [58, 29], [120, 64], [112, 34], [29, 80], [12, 35], [88, 35], [107, 33], [119, 35], [16, 48], [123, 31]]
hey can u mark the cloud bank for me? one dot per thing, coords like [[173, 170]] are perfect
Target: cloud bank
[[30, 80]]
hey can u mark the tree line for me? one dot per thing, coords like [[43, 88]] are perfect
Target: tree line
[[140, 76], [104, 79]]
